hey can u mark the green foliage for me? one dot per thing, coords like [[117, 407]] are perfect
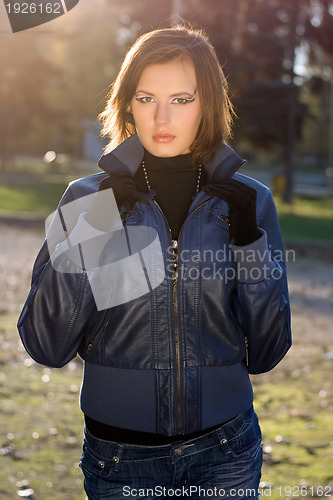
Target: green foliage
[[257, 42], [306, 218], [315, 131], [52, 80], [321, 32], [23, 97]]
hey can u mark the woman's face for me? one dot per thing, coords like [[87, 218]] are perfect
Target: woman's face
[[166, 108]]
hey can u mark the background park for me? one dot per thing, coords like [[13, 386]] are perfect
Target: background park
[[278, 57]]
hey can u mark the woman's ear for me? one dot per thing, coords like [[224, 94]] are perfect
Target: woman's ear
[[129, 116]]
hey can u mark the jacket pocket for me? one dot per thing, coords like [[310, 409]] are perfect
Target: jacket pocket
[[221, 217], [93, 353]]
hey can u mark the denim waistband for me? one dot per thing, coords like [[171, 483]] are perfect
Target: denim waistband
[[110, 450]]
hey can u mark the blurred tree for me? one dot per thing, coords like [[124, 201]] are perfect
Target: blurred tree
[[23, 100], [257, 39], [319, 25], [138, 17], [256, 42], [53, 78], [320, 64], [87, 49], [314, 146], [60, 77]]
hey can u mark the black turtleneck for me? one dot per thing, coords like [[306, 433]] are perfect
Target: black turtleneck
[[174, 181]]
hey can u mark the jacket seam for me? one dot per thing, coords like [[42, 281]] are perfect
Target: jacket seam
[[267, 195], [81, 287]]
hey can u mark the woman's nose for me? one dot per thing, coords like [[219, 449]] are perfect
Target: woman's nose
[[162, 114]]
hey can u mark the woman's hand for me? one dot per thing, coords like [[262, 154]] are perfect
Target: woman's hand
[[124, 192], [241, 199]]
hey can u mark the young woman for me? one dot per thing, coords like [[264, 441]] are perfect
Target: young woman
[[166, 392]]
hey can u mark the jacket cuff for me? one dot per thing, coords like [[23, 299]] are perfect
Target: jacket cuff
[[254, 262]]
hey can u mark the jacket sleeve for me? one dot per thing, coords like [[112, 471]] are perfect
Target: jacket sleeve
[[57, 308], [261, 302]]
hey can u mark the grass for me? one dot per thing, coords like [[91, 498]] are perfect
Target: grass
[[297, 432], [37, 194], [40, 200], [305, 218], [41, 425]]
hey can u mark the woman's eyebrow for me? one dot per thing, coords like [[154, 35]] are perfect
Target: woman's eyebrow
[[177, 94], [144, 92], [185, 92]]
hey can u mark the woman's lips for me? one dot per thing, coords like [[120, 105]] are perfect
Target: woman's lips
[[163, 138]]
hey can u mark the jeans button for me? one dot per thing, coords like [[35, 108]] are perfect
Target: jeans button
[[115, 460], [223, 441], [101, 464]]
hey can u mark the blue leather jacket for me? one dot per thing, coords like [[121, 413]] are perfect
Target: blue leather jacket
[[177, 359]]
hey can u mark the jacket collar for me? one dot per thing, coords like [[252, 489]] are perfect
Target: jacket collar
[[129, 155]]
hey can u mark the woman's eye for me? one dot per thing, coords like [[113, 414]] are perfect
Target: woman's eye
[[145, 99], [176, 100], [181, 100]]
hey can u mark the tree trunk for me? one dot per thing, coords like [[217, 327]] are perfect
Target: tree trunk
[[289, 155], [291, 113]]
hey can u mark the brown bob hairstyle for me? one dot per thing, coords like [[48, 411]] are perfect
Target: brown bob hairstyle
[[160, 46]]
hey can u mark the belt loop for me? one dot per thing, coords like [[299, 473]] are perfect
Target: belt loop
[[116, 459], [223, 440], [221, 436]]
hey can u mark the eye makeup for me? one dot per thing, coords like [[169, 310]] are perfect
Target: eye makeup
[[175, 99]]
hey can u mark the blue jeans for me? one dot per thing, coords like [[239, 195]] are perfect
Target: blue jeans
[[224, 463]]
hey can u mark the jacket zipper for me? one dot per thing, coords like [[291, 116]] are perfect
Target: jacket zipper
[[225, 219], [174, 245], [98, 331], [177, 335], [175, 255]]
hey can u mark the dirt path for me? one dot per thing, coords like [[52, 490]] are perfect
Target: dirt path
[[311, 293]]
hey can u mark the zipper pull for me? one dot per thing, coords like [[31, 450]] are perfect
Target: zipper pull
[[225, 218], [246, 350], [174, 261]]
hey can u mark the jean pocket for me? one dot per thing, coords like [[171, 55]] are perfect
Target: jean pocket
[[95, 466], [253, 451], [247, 441]]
